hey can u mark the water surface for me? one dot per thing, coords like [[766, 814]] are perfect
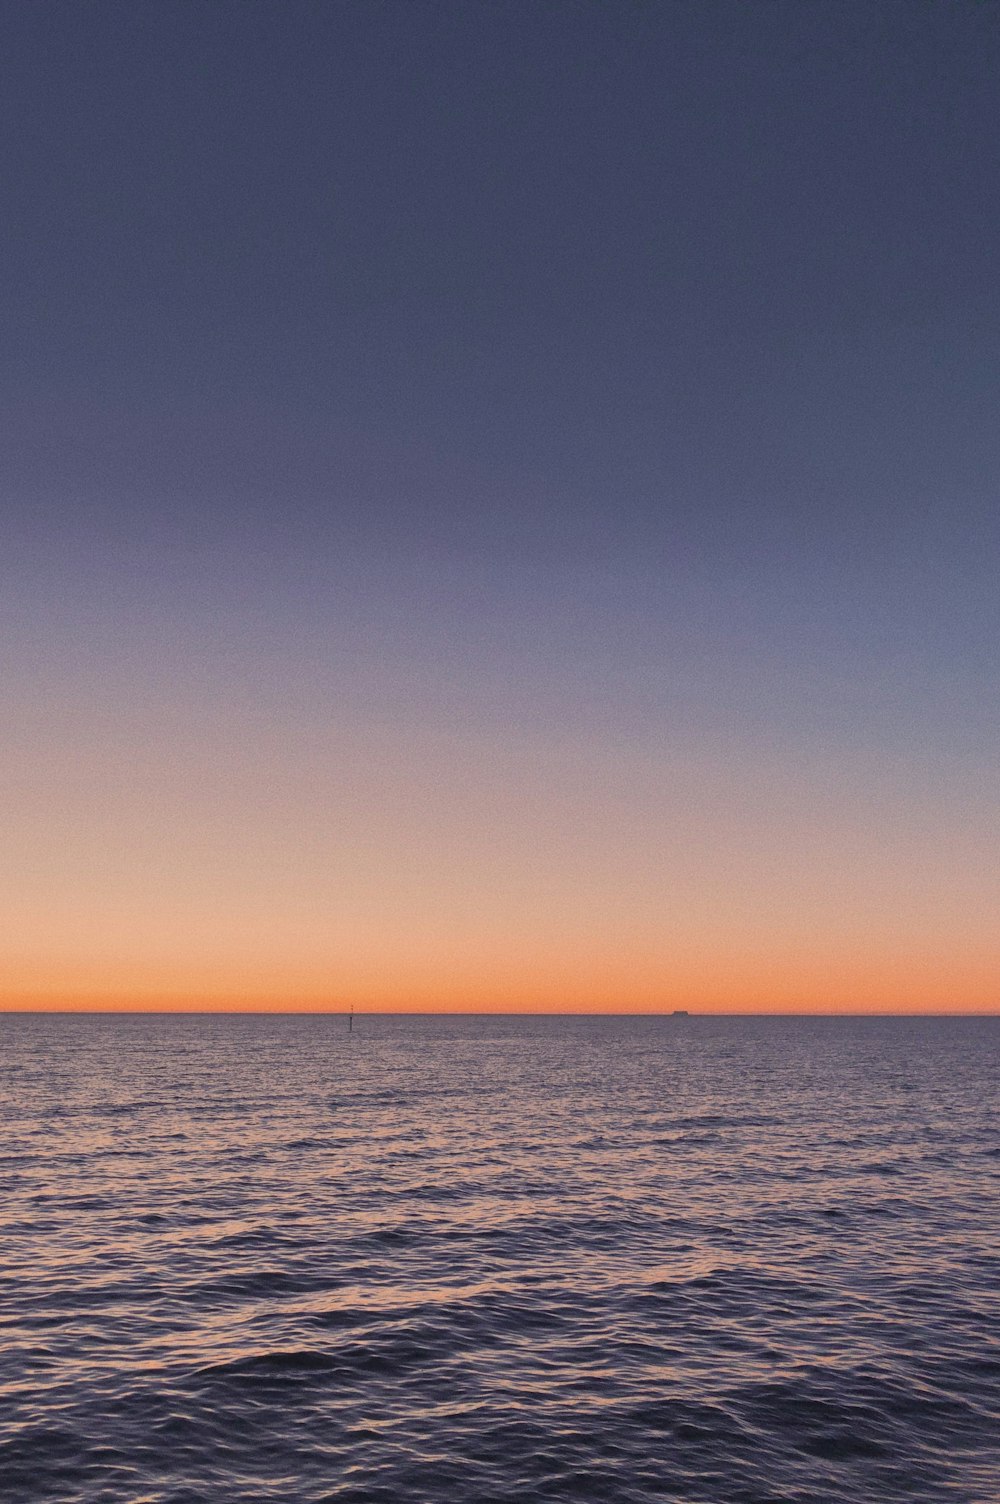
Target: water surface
[[498, 1259]]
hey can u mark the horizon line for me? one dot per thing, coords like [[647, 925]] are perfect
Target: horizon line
[[348, 1011]]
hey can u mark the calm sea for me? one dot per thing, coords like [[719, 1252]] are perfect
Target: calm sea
[[496, 1259]]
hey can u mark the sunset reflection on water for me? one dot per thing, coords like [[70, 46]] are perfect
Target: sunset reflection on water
[[520, 1253]]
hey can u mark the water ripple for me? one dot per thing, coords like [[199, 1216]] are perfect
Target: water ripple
[[493, 1259]]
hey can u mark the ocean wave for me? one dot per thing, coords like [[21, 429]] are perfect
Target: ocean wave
[[500, 1264]]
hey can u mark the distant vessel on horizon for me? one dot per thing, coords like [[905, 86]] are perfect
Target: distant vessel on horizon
[[680, 1013]]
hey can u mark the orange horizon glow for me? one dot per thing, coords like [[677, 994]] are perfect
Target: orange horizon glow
[[570, 974], [222, 859], [308, 1010], [875, 994]]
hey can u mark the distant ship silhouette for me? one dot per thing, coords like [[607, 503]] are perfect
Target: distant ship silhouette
[[680, 1013]]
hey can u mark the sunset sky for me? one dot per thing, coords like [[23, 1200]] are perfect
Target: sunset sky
[[500, 505]]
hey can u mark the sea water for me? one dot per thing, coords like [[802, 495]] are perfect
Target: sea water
[[495, 1259]]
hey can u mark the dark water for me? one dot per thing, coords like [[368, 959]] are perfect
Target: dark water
[[499, 1259]]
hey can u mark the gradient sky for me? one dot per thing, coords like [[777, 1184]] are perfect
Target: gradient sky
[[500, 505]]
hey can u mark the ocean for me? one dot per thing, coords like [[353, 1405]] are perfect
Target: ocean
[[488, 1259]]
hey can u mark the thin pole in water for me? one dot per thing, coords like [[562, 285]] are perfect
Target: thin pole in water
[[350, 1019]]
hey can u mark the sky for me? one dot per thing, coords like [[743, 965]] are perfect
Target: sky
[[499, 504]]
